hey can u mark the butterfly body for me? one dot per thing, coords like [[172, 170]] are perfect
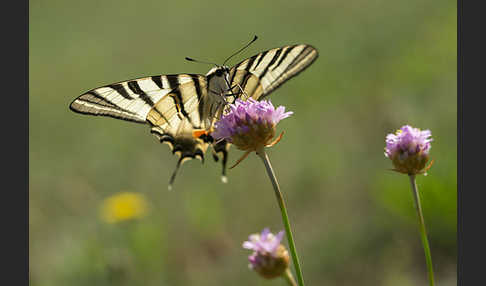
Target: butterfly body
[[182, 108]]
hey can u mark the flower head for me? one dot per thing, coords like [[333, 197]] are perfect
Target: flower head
[[269, 258], [123, 206], [250, 124], [409, 149]]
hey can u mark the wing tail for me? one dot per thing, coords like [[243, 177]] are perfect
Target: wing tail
[[221, 148]]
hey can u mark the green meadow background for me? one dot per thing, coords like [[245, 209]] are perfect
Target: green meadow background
[[382, 64]]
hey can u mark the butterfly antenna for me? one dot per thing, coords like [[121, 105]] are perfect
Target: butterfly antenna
[[247, 45], [198, 61]]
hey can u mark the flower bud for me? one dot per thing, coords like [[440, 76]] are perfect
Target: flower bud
[[270, 258]]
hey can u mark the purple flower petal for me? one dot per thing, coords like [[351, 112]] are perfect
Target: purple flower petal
[[264, 243], [243, 114], [408, 149], [408, 140]]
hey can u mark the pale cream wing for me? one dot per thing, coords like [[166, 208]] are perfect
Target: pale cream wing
[[137, 100], [261, 74]]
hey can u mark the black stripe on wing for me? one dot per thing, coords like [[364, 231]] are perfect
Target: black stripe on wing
[[284, 56], [200, 106], [135, 88], [274, 58], [275, 65], [132, 100], [177, 97], [260, 59], [121, 90], [101, 106], [158, 81]]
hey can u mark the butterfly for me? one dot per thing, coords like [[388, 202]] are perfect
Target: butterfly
[[182, 108]]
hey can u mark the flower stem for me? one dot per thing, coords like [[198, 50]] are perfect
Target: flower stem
[[289, 277], [288, 232], [423, 233]]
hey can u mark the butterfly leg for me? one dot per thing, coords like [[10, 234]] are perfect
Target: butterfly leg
[[232, 94], [235, 95], [236, 85], [242, 91]]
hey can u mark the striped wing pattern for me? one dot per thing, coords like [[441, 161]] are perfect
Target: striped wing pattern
[[261, 74], [176, 105], [134, 100], [172, 104]]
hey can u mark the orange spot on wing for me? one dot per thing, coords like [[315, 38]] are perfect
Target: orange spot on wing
[[200, 132]]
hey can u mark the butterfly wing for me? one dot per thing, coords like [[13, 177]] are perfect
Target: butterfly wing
[[173, 105], [136, 100], [261, 74]]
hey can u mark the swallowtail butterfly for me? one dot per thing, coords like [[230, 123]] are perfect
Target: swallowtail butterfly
[[181, 108]]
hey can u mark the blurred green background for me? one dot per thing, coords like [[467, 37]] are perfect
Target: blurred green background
[[382, 64]]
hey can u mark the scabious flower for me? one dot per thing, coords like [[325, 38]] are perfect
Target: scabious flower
[[250, 124], [123, 206], [269, 258], [409, 149]]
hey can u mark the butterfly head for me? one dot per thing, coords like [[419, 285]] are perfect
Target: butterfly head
[[218, 71], [218, 78]]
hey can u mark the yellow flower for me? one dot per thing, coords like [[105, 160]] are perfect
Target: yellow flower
[[123, 206]]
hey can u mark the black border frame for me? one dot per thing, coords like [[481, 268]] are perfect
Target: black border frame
[[470, 111], [14, 211]]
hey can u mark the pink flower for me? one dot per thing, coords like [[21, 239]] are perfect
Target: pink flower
[[249, 124], [409, 149], [269, 258]]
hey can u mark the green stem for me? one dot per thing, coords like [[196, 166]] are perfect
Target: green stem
[[289, 277], [423, 232], [288, 232]]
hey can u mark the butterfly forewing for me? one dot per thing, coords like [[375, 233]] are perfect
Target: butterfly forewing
[[261, 74], [139, 99]]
